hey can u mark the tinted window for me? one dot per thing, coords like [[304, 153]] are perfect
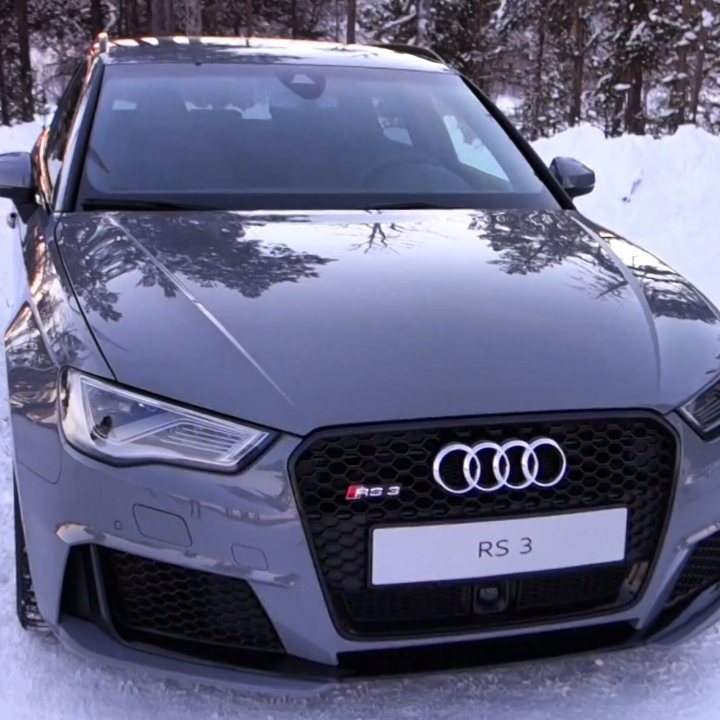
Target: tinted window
[[281, 136]]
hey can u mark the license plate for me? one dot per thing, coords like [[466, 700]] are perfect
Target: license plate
[[477, 550]]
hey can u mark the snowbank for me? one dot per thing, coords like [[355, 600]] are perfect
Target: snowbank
[[673, 211], [662, 194]]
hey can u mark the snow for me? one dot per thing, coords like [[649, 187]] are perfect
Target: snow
[[658, 192], [661, 194], [508, 104]]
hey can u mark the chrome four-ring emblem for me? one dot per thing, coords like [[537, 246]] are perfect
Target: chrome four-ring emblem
[[487, 466]]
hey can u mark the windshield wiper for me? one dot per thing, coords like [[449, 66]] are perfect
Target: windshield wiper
[[407, 206], [133, 204]]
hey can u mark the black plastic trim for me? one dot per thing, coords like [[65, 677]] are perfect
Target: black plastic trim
[[82, 132], [415, 50], [486, 419]]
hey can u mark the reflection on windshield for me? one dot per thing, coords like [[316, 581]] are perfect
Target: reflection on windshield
[[295, 136]]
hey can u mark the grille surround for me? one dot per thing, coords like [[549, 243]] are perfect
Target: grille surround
[[352, 528]]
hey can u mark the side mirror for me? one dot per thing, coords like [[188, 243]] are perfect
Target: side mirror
[[576, 179], [17, 183]]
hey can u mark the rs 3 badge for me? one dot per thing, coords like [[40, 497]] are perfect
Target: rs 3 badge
[[361, 492]]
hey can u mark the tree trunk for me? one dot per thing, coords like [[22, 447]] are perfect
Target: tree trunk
[[294, 19], [134, 18], [482, 12], [422, 23], [351, 20], [634, 108], [27, 105], [170, 17], [119, 28], [193, 18], [537, 97], [96, 17], [209, 18], [680, 94], [4, 99], [249, 18], [163, 17], [578, 63], [698, 76], [634, 115]]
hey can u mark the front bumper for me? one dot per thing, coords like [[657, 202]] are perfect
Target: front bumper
[[249, 527]]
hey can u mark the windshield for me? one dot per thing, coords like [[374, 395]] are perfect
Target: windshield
[[276, 136]]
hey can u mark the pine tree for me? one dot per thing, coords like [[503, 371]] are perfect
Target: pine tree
[[392, 21], [8, 63], [628, 65], [163, 17], [536, 37], [634, 38], [464, 34], [193, 17], [25, 76]]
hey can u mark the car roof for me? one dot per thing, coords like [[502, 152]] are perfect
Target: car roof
[[182, 49]]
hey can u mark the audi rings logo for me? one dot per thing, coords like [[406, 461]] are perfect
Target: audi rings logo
[[488, 466]]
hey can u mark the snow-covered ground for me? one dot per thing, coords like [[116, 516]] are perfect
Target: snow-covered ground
[[661, 193]]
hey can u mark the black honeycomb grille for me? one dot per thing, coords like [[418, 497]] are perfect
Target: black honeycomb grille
[[701, 571], [626, 461], [160, 603]]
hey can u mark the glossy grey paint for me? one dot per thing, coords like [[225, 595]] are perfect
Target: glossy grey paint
[[93, 503], [69, 499], [305, 321]]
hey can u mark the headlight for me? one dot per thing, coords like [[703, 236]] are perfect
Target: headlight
[[124, 427], [703, 412]]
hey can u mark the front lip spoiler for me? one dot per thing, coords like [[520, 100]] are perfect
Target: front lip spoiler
[[87, 640], [299, 678], [695, 618]]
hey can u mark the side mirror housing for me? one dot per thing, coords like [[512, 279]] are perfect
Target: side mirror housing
[[576, 179], [17, 183]]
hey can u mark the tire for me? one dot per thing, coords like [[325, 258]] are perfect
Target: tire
[[27, 609]]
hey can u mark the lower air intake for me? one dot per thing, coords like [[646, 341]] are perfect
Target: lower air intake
[[181, 609], [701, 571]]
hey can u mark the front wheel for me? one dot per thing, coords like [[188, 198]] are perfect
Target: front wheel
[[27, 609]]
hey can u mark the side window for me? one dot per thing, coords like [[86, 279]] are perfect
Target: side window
[[61, 123]]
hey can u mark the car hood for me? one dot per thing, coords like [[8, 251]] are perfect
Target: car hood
[[299, 321]]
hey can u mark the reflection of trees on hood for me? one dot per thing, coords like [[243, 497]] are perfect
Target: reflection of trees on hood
[[667, 293], [670, 295], [533, 242], [205, 249], [384, 236]]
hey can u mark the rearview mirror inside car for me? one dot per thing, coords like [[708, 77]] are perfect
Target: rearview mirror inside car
[[17, 183], [576, 179]]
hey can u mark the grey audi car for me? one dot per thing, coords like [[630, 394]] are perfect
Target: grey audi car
[[319, 374]]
